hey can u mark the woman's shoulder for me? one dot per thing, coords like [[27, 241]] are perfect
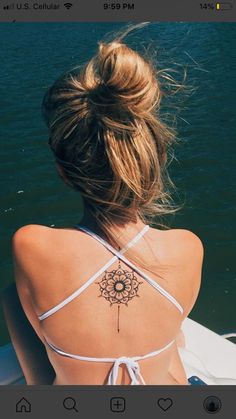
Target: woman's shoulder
[[179, 241], [35, 232], [29, 229], [39, 251], [30, 241], [178, 232], [30, 234], [183, 251], [45, 244]]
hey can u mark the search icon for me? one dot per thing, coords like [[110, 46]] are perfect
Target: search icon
[[70, 404]]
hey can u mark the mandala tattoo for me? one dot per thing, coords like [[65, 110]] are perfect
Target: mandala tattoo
[[119, 286]]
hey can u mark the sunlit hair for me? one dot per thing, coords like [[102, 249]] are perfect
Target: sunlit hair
[[108, 137]]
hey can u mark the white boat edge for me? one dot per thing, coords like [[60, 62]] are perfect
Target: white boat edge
[[207, 355]]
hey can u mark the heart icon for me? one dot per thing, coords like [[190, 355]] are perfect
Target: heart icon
[[165, 404]]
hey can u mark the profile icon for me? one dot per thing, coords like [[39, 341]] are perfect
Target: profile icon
[[212, 404]]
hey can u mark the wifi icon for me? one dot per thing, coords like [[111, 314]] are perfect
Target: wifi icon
[[68, 5]]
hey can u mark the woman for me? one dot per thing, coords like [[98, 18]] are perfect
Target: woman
[[109, 313]]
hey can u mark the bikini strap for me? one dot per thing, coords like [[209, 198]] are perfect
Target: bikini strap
[[119, 255], [75, 294], [131, 363]]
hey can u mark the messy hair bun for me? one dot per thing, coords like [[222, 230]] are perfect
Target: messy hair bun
[[106, 133], [119, 80]]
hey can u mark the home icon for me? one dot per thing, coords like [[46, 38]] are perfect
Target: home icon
[[23, 406]]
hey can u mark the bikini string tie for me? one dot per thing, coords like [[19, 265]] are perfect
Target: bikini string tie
[[132, 368]]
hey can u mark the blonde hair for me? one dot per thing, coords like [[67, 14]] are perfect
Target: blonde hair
[[107, 135]]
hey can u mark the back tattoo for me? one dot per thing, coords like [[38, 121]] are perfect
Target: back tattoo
[[119, 286]]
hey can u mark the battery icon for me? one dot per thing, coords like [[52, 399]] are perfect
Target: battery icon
[[224, 6]]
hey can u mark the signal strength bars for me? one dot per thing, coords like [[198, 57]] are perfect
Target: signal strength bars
[[9, 7]]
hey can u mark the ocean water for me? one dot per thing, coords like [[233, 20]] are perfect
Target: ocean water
[[33, 55]]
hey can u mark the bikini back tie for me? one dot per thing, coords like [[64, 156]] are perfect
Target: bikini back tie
[[131, 363]]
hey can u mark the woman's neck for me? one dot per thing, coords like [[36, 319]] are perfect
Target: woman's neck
[[128, 230]]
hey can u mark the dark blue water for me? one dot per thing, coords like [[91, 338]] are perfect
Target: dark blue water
[[34, 54]]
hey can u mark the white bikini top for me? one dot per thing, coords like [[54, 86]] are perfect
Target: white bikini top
[[130, 362]]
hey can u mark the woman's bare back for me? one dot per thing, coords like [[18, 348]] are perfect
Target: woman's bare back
[[56, 262]]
